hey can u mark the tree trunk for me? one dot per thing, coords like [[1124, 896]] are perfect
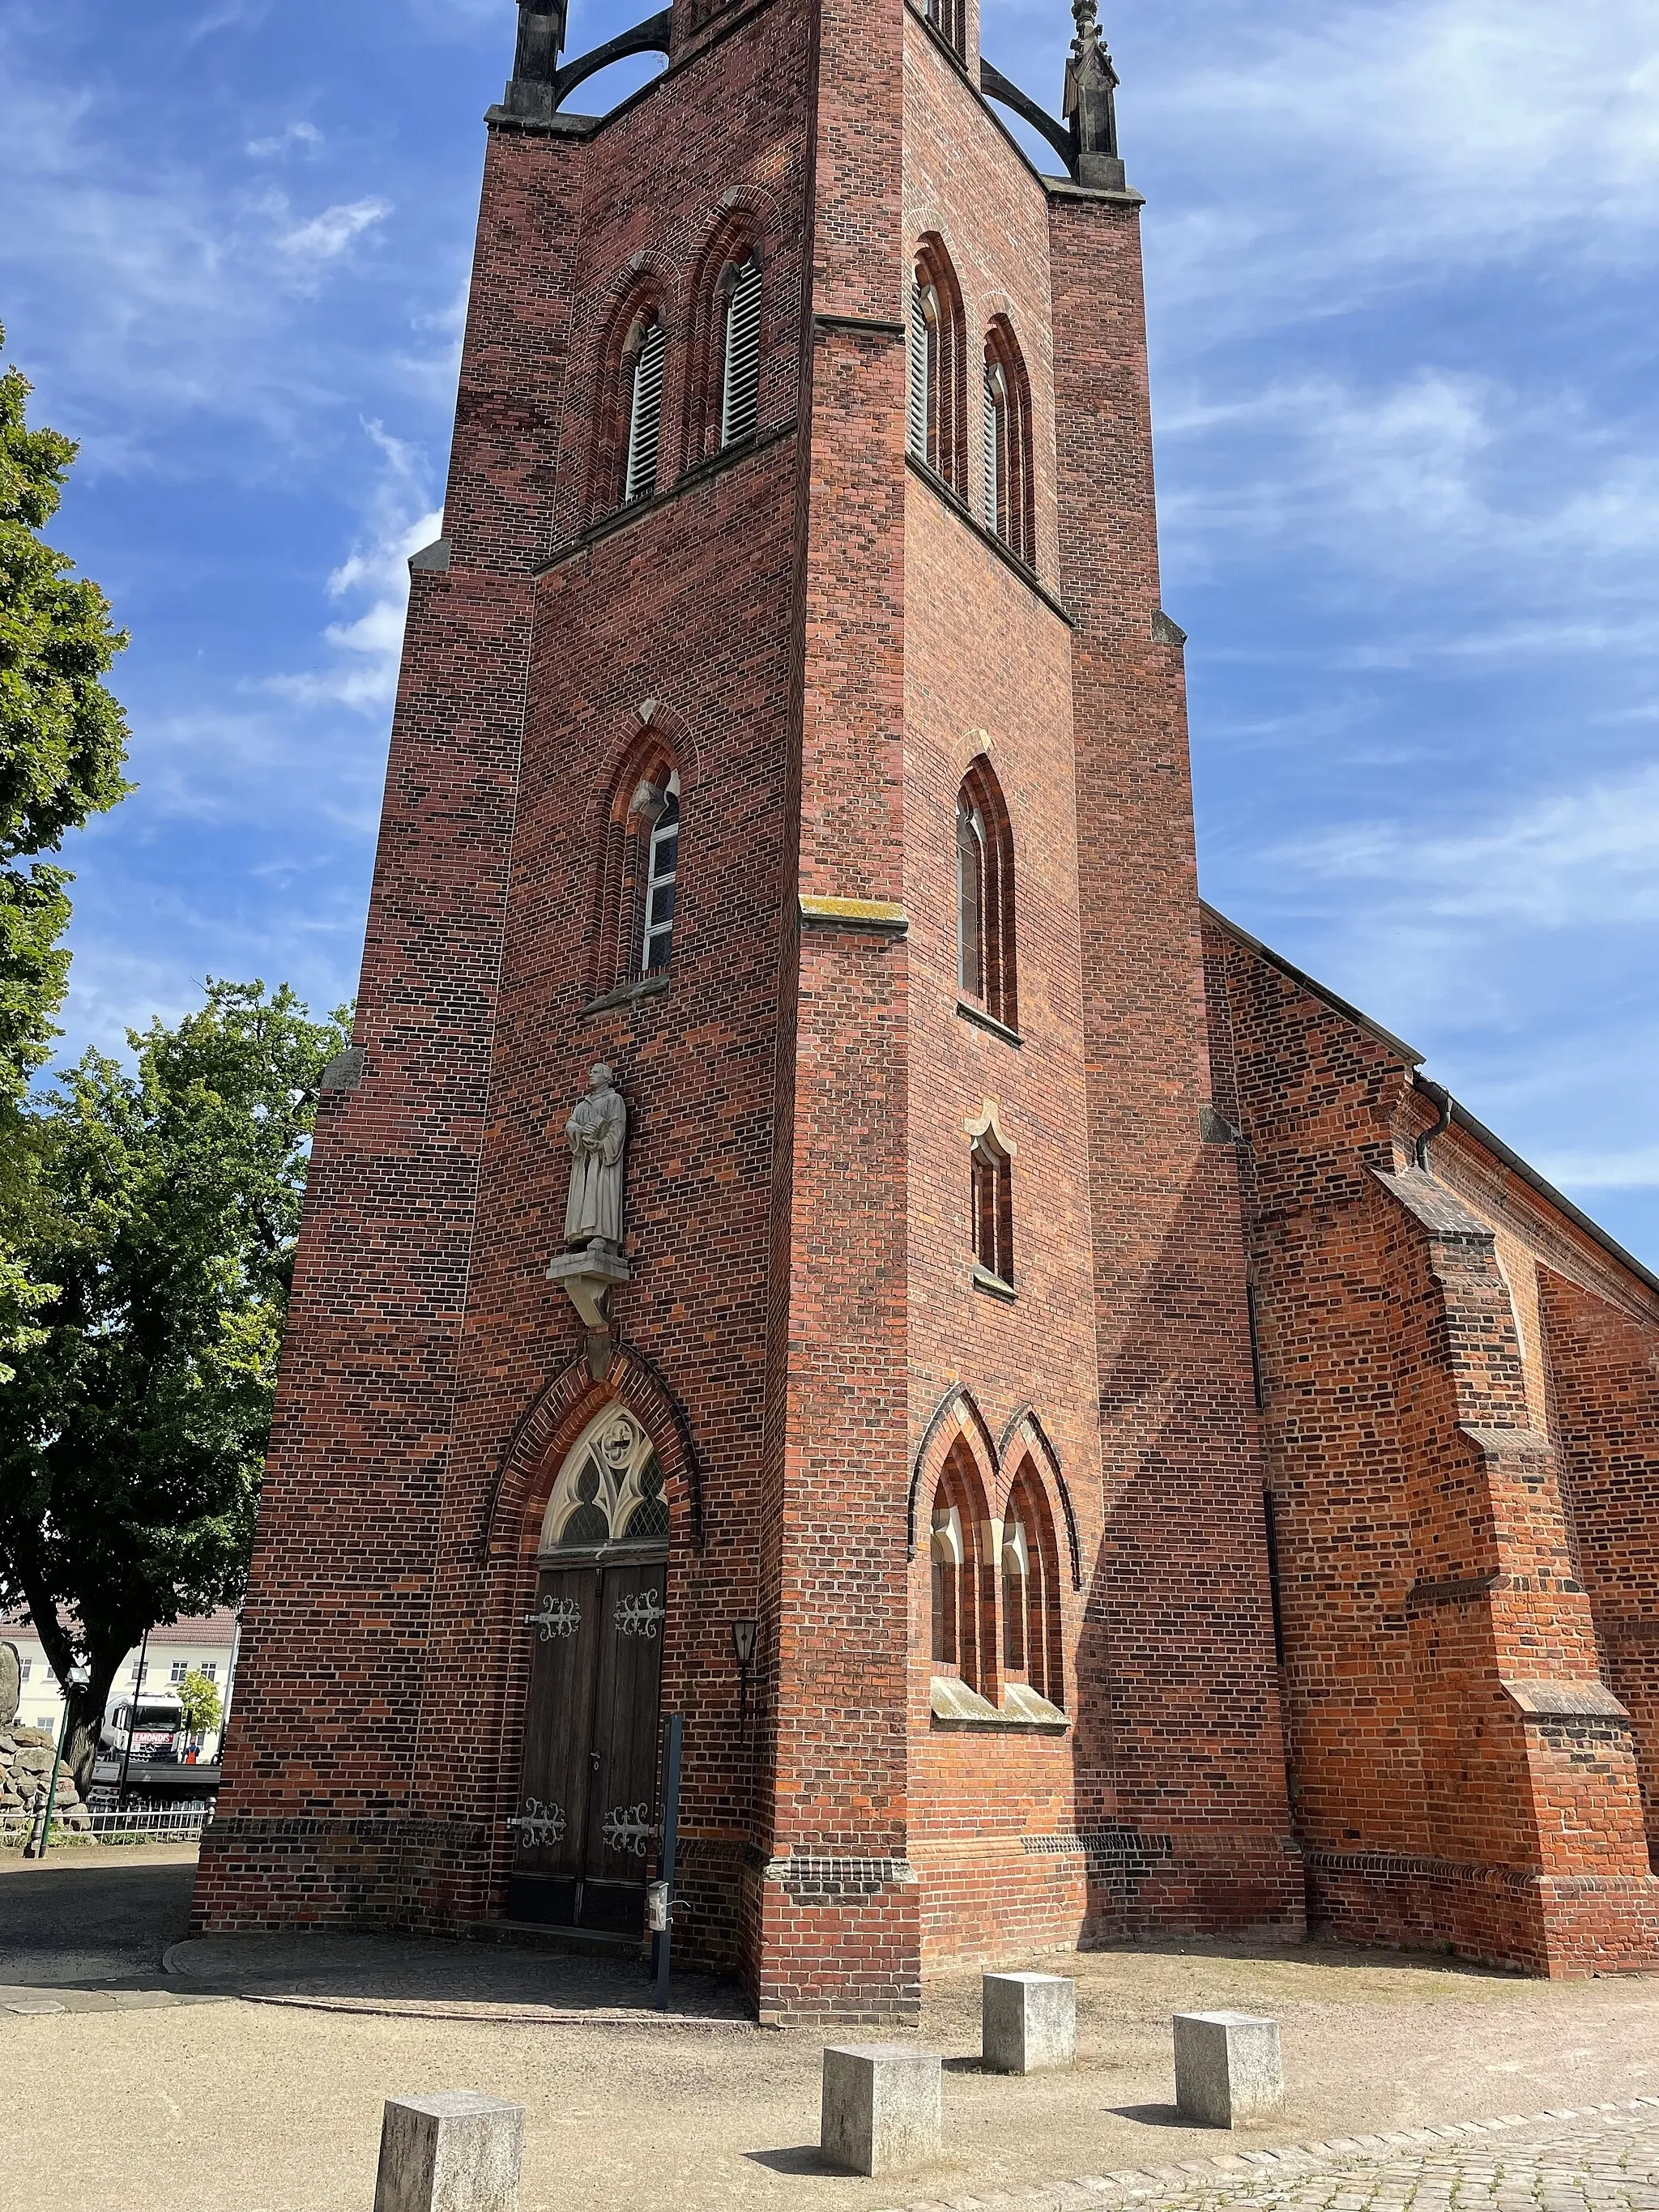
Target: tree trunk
[[86, 1709]]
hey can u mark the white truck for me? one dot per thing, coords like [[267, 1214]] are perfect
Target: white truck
[[154, 1722]]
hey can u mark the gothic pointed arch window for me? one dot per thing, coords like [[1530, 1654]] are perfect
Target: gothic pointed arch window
[[991, 1199], [637, 902], [986, 974], [1030, 1607], [629, 377], [610, 1489], [937, 422], [1009, 496], [961, 1629]]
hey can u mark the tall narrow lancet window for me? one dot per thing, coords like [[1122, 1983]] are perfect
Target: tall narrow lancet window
[[1009, 490], [646, 353], [963, 1610], [991, 1200], [637, 886], [947, 17], [970, 898], [936, 430], [924, 364], [1030, 1591], [985, 898], [944, 1552], [662, 871], [740, 383]]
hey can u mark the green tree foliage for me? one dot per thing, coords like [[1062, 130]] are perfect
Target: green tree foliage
[[62, 743], [163, 1204], [202, 1703]]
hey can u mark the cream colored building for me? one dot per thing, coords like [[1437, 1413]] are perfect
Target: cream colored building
[[204, 1646]]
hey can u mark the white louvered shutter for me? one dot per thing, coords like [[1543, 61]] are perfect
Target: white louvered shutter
[[921, 342], [645, 416], [993, 454], [740, 398]]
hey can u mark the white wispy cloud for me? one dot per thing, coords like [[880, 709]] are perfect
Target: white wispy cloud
[[1569, 857], [1367, 142], [328, 234], [1594, 1170], [297, 134], [397, 521]]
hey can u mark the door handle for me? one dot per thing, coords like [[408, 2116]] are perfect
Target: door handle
[[594, 1757]]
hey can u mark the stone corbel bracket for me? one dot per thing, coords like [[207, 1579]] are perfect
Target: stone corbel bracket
[[587, 1279]]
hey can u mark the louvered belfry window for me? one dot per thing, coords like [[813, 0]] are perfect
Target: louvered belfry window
[[937, 426], [741, 389], [996, 448], [924, 367], [1009, 492], [645, 414]]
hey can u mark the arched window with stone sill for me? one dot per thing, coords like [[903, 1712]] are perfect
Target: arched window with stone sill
[[991, 1200], [628, 427], [961, 1632], [637, 903], [1030, 1614], [937, 429], [1010, 494], [986, 970]]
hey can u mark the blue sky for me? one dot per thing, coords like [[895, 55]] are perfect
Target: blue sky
[[1402, 264]]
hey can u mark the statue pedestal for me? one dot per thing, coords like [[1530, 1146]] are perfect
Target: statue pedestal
[[586, 1278]]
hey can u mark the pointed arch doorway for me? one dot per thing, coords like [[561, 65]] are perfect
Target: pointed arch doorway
[[588, 1819]]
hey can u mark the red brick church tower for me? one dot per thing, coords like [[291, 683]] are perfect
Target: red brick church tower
[[788, 726]]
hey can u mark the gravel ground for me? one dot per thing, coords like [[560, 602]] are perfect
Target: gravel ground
[[276, 2107]]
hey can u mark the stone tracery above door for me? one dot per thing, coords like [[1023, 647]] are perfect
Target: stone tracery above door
[[610, 1489]]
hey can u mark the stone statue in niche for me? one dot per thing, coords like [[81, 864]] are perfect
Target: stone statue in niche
[[597, 1133]]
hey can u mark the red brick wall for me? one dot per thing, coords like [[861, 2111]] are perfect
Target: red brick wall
[[1180, 1752], [1604, 1368], [1430, 1521]]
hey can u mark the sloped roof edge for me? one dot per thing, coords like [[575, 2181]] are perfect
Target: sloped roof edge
[[1413, 1058], [1462, 1118]]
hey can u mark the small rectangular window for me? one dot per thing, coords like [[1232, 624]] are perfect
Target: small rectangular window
[[28, 1668], [179, 1669], [208, 1670]]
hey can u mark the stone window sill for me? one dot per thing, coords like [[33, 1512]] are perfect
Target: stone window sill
[[993, 1285], [629, 994], [954, 1705], [976, 1014]]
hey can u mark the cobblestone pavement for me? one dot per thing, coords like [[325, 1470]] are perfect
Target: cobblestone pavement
[[1601, 2157]]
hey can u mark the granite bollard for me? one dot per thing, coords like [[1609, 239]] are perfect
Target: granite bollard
[[1028, 2023], [454, 2152], [881, 2110], [1227, 2068]]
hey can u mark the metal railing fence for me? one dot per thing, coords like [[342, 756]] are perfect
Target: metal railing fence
[[181, 1823]]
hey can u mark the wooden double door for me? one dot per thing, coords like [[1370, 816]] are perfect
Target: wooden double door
[[588, 1820]]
